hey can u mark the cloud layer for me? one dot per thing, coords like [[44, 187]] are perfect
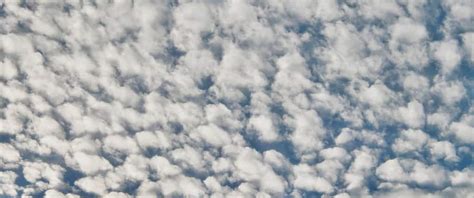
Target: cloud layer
[[237, 98]]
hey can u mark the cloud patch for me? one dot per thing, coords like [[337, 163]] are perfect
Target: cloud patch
[[236, 98]]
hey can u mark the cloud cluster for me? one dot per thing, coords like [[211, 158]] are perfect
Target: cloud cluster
[[164, 98]]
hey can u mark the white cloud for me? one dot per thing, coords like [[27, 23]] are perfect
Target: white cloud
[[220, 115], [116, 144], [406, 171], [189, 157], [7, 181], [306, 179], [54, 193], [391, 170], [413, 115], [236, 98], [135, 168], [407, 43], [364, 161], [272, 183], [307, 133], [462, 132], [376, 95], [89, 164], [182, 185], [439, 119], [45, 125], [448, 54], [9, 71], [408, 31], [117, 194], [265, 128], [330, 170], [212, 135], [468, 39], [443, 150], [416, 85], [407, 193], [239, 70], [450, 92], [9, 157], [410, 141], [163, 167], [212, 184], [94, 185], [276, 160], [189, 24], [429, 175], [34, 172], [335, 153], [16, 92], [380, 9], [147, 139]]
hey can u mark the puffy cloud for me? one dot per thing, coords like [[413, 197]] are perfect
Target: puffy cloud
[[450, 92], [189, 158], [94, 185], [35, 172], [183, 186], [119, 144], [407, 43], [250, 168], [429, 175], [89, 164], [391, 170], [378, 9], [7, 181], [376, 95], [16, 92], [410, 141], [9, 70], [413, 115], [349, 136], [147, 139], [163, 167], [416, 85], [363, 164], [448, 55], [54, 193], [307, 179], [276, 160], [443, 150], [236, 98], [406, 171], [462, 132], [117, 194], [408, 31], [9, 157], [307, 133], [212, 135], [467, 39], [44, 126], [189, 24], [407, 193], [439, 119], [264, 127]]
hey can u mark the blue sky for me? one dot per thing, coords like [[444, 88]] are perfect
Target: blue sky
[[237, 98]]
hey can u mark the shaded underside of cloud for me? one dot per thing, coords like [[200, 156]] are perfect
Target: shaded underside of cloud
[[162, 98]]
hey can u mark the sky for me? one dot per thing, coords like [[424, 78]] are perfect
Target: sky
[[237, 98]]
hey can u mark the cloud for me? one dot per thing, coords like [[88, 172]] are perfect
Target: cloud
[[7, 179], [448, 55], [412, 171], [410, 141], [236, 98]]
